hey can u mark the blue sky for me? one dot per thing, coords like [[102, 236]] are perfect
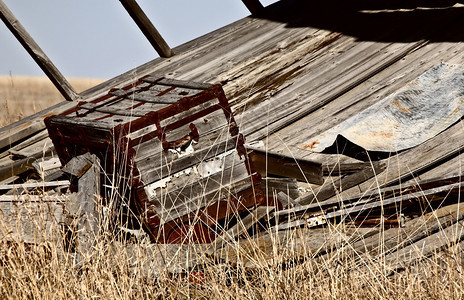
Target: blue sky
[[98, 39]]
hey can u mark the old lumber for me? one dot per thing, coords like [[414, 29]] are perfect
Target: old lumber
[[328, 190], [411, 162], [16, 168], [83, 208], [415, 229], [266, 162], [29, 185], [425, 247], [147, 28], [31, 218], [375, 194]]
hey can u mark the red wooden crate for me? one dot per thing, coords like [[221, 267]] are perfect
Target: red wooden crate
[[176, 150]]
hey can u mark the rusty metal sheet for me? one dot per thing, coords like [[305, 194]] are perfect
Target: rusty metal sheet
[[415, 113]]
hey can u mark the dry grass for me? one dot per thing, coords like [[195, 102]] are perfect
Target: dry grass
[[23, 96], [255, 269], [121, 269]]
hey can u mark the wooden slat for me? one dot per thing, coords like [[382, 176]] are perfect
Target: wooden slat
[[266, 162], [10, 137], [83, 207], [159, 80], [31, 219], [364, 95], [147, 28], [28, 142], [36, 53], [423, 248], [155, 166], [33, 185], [193, 195], [111, 110], [143, 97], [409, 163], [330, 189]]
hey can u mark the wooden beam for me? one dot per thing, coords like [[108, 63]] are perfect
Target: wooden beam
[[83, 208], [36, 53], [266, 163], [254, 6], [148, 29]]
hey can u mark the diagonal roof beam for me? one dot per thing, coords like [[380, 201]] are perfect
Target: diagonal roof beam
[[254, 6], [148, 29], [36, 53]]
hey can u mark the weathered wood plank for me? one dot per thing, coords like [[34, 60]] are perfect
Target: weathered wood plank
[[147, 97], [31, 219], [83, 208], [17, 167], [36, 53], [423, 248], [61, 183], [160, 80], [158, 165], [172, 204], [408, 163], [332, 188], [363, 96], [375, 195], [147, 28], [15, 134], [244, 224], [111, 110], [28, 142], [266, 162], [41, 148]]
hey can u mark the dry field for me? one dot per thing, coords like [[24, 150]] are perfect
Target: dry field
[[23, 96], [256, 269], [126, 270]]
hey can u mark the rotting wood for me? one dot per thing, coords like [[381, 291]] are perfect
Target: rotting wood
[[31, 218], [8, 138], [28, 185], [266, 162], [147, 28], [36, 53], [425, 247], [375, 195], [83, 207], [17, 167], [328, 190], [411, 162]]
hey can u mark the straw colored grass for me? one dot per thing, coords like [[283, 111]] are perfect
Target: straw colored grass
[[22, 96], [118, 268]]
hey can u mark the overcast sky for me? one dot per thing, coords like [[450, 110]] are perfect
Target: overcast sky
[[98, 39]]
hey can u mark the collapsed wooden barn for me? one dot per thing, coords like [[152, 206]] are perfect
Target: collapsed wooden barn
[[291, 73]]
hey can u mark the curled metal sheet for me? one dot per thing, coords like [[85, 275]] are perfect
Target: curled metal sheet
[[415, 113]]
